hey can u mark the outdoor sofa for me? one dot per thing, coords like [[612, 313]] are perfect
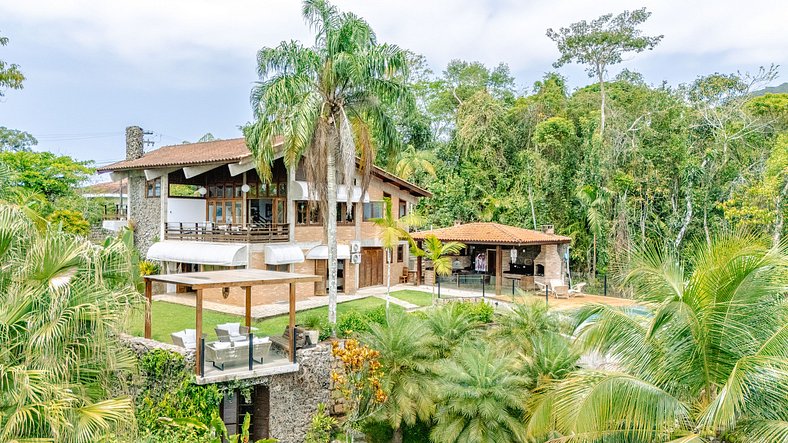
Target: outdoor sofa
[[233, 353]]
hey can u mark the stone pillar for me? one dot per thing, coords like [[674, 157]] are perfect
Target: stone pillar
[[551, 260], [134, 143]]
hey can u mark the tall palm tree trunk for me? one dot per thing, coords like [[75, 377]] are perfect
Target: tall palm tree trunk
[[331, 214], [396, 437], [388, 279]]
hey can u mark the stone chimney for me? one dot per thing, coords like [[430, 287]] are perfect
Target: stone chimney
[[134, 143], [548, 229]]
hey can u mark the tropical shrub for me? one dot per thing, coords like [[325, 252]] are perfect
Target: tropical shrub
[[350, 323], [148, 267], [70, 221], [322, 426], [62, 306], [478, 311]]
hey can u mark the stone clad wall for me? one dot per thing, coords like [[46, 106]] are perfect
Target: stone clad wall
[[144, 213]]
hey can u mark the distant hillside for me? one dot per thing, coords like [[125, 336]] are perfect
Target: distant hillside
[[780, 89]]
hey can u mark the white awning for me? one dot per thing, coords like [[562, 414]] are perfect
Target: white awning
[[283, 254], [218, 254], [300, 191], [321, 252]]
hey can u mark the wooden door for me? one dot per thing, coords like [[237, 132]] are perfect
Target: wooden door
[[321, 270], [371, 272]]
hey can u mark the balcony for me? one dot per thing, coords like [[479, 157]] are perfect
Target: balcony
[[228, 233]]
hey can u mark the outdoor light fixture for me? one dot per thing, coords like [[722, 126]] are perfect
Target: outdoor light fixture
[[245, 188], [202, 190]]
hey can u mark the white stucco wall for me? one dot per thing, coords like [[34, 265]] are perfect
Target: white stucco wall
[[185, 210]]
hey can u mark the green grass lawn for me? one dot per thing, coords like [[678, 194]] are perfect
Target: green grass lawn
[[171, 317], [416, 297]]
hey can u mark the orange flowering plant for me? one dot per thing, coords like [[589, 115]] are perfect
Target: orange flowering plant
[[358, 379]]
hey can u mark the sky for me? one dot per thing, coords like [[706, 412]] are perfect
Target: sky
[[183, 68]]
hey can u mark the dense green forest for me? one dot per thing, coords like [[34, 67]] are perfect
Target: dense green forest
[[675, 164]]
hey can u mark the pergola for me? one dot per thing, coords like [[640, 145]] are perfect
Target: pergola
[[243, 278]]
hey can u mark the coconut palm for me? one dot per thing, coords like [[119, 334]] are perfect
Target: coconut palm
[[709, 362], [405, 344], [329, 102], [439, 254], [390, 232], [594, 202], [62, 303], [481, 400]]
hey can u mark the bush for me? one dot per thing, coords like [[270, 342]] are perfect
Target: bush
[[319, 323], [479, 311], [377, 315], [166, 390], [322, 427], [350, 323], [148, 267], [72, 221]]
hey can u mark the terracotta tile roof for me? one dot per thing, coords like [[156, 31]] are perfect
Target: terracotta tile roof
[[105, 188], [492, 233], [220, 151], [186, 154]]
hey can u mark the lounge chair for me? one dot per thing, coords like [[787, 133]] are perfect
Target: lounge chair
[[559, 289], [577, 291], [233, 353], [232, 332], [185, 339]]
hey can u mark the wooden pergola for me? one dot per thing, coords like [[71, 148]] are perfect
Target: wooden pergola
[[243, 278]]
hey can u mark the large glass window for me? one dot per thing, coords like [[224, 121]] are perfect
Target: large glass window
[[373, 210], [343, 218], [153, 188]]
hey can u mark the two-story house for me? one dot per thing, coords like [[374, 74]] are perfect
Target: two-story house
[[202, 206]]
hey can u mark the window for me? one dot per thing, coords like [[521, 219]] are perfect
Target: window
[[342, 216], [400, 253], [153, 188], [403, 208], [373, 210], [280, 268], [307, 213]]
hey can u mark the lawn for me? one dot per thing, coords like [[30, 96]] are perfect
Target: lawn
[[171, 317], [419, 298]]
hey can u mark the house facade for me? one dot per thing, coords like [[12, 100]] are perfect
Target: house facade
[[202, 206]]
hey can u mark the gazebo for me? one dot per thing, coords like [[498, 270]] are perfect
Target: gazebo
[[530, 255], [244, 278]]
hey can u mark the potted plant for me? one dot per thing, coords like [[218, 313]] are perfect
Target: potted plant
[[312, 326]]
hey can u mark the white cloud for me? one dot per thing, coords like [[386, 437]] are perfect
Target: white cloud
[[167, 33]]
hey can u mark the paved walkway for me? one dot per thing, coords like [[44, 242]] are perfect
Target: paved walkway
[[258, 311]]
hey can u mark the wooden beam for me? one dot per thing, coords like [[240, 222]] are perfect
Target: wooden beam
[[148, 306], [198, 332], [498, 269], [248, 306], [292, 320]]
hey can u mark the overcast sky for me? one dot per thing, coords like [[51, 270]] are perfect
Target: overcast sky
[[181, 68]]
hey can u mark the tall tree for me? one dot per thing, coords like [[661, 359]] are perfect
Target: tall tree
[[15, 140], [602, 43], [594, 201], [10, 75], [329, 102]]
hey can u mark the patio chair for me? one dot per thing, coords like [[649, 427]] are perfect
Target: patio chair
[[577, 291], [559, 289], [235, 353], [185, 339], [232, 332], [405, 274]]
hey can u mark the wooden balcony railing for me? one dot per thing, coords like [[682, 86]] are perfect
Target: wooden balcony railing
[[115, 212], [228, 233]]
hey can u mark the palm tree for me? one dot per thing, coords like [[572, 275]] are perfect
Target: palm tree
[[709, 362], [329, 102], [405, 344], [412, 162], [453, 325], [481, 399], [594, 201], [62, 304], [438, 253], [391, 231]]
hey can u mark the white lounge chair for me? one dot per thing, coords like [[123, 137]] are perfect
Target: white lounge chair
[[185, 339], [559, 289], [577, 291]]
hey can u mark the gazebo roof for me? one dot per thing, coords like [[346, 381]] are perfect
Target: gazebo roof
[[492, 233], [233, 277]]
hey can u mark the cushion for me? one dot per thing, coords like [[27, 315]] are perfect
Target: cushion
[[190, 335], [258, 340], [240, 344], [220, 345], [231, 328]]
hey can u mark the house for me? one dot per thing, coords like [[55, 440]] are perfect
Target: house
[[202, 206], [502, 254]]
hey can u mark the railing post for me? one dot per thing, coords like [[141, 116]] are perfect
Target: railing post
[[482, 279], [251, 350], [605, 285], [293, 342], [513, 286], [202, 357], [546, 295], [439, 285]]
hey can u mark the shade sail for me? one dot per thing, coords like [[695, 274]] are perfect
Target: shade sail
[[300, 191], [283, 254], [202, 253], [321, 252]]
